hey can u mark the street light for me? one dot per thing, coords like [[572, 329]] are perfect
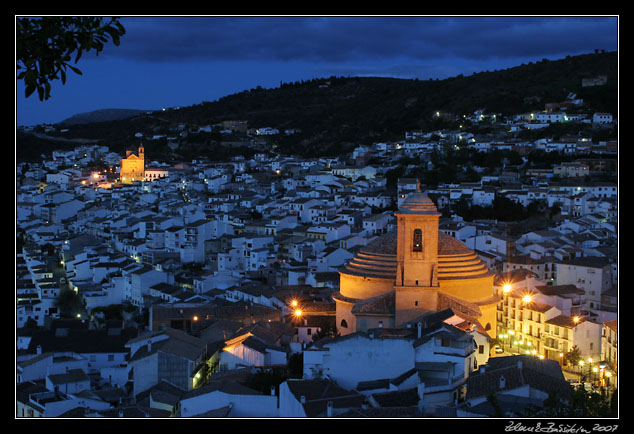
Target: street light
[[581, 363]]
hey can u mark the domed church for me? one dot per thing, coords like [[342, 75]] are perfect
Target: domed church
[[415, 270]]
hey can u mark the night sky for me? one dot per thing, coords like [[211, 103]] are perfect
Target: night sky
[[181, 61]]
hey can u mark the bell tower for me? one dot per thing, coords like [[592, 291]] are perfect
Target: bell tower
[[416, 281]]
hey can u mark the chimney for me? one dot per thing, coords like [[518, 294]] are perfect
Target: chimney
[[302, 399], [38, 350], [329, 409], [420, 329], [272, 390], [502, 382]]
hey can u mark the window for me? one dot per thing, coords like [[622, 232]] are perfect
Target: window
[[418, 241], [344, 324]]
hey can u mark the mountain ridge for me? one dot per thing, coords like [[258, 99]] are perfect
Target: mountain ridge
[[102, 115], [333, 115]]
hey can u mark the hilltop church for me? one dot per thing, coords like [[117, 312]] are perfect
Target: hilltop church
[[132, 167], [412, 271]]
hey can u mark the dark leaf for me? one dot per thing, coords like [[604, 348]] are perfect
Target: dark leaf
[[75, 70], [30, 88]]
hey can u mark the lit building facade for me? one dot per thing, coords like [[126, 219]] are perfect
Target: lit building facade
[[133, 167], [522, 322]]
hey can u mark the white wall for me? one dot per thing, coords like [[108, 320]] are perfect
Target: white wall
[[289, 405], [242, 405], [587, 336], [381, 358], [592, 280], [145, 373]]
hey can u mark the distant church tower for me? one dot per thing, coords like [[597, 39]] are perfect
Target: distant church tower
[[416, 284], [133, 167]]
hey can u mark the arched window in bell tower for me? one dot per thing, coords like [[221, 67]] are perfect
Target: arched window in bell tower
[[418, 241]]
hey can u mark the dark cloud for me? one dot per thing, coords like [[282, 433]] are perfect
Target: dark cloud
[[336, 39]]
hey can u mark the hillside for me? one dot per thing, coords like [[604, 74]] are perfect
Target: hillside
[[335, 114], [104, 115]]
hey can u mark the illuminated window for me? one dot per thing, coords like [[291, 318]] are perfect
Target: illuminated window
[[418, 240]]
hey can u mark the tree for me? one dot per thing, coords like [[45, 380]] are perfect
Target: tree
[[327, 329], [573, 356], [69, 303], [45, 46]]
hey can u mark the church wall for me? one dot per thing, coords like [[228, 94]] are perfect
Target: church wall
[[366, 322], [132, 169], [412, 302], [364, 287], [475, 290], [471, 290], [489, 317], [344, 314]]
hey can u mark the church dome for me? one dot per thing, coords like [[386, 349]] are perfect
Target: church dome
[[418, 203], [378, 259]]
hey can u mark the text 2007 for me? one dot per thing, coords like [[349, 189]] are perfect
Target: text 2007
[[606, 428]]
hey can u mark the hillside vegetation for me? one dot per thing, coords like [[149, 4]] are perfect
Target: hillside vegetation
[[336, 114]]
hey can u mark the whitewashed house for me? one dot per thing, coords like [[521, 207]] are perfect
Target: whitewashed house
[[227, 399], [249, 350]]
